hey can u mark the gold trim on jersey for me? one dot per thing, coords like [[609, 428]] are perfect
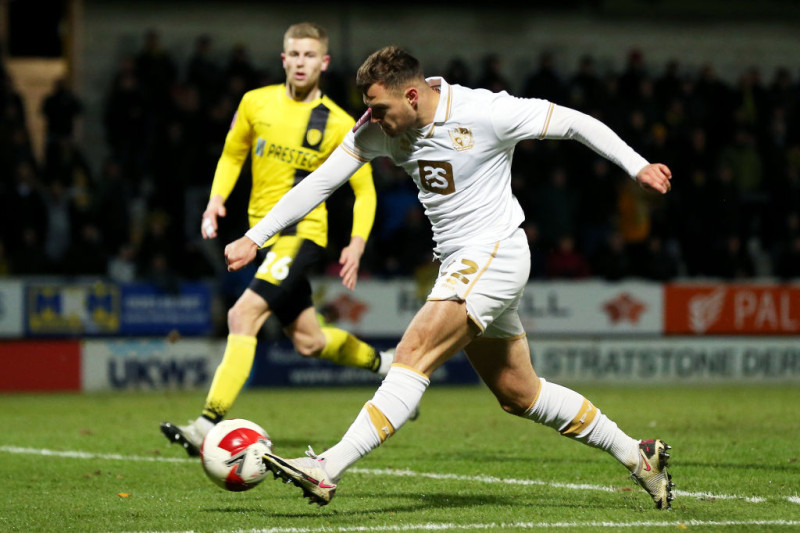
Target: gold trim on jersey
[[547, 120], [352, 154]]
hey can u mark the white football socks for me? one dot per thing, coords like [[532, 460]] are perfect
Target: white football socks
[[387, 411], [575, 417]]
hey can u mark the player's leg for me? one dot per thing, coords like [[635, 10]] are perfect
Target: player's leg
[[334, 344], [285, 285], [245, 319], [438, 331], [505, 366], [447, 322]]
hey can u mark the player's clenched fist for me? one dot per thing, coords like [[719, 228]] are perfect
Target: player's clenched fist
[[239, 253], [656, 177]]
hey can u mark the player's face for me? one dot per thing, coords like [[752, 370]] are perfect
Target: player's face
[[303, 61], [391, 110]]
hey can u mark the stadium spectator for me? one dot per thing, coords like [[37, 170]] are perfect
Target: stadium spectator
[[668, 86], [787, 260], [58, 236], [157, 72], [597, 209], [122, 265], [610, 261], [545, 82], [65, 162], [631, 78], [565, 262], [458, 71], [61, 109], [732, 259], [24, 207], [586, 88], [203, 72], [491, 76], [87, 254], [659, 264], [555, 208], [297, 119], [239, 72], [634, 220], [114, 195], [28, 257], [485, 262], [158, 240], [125, 118]]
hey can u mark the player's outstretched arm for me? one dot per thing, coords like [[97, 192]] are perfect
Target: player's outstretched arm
[[305, 196], [350, 259], [655, 176], [239, 253]]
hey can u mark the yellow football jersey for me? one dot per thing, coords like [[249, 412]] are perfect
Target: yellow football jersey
[[287, 140]]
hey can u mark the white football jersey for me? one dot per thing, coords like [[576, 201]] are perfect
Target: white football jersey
[[461, 162]]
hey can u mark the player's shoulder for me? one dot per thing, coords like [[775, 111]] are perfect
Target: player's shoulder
[[261, 94], [337, 113]]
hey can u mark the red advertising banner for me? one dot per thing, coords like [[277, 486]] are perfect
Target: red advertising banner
[[732, 309], [35, 366]]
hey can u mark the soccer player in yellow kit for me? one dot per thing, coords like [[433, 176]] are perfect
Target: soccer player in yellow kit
[[288, 130]]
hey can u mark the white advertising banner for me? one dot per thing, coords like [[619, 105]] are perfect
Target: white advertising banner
[[679, 359], [592, 307], [384, 308], [12, 322], [374, 308], [149, 364]]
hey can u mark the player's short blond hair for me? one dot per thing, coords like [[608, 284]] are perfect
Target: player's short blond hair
[[307, 30], [392, 67]]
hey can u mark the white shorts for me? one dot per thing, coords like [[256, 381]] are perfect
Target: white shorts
[[490, 278]]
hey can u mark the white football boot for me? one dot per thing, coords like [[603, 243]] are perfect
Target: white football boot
[[308, 473]]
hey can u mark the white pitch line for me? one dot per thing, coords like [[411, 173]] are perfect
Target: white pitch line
[[393, 472], [593, 525], [88, 455]]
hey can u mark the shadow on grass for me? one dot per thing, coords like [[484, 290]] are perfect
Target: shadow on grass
[[429, 501]]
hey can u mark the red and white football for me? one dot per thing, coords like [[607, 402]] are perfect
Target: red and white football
[[231, 454]]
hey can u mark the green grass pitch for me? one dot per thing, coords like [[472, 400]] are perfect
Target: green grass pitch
[[97, 462]]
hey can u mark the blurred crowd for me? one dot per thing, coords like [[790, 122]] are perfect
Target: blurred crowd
[[734, 149]]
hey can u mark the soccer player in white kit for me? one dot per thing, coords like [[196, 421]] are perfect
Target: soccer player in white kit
[[457, 144]]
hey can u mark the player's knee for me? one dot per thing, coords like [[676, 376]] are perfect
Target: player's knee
[[513, 408], [309, 346], [237, 318]]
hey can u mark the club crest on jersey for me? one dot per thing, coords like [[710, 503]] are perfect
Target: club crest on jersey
[[462, 139], [313, 136]]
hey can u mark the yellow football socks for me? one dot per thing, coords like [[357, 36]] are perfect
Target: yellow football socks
[[231, 375], [344, 348]]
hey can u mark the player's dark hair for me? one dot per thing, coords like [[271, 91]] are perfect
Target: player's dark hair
[[390, 66]]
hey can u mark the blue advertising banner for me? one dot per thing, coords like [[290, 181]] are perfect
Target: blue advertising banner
[[145, 310], [107, 309], [277, 364], [72, 308]]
